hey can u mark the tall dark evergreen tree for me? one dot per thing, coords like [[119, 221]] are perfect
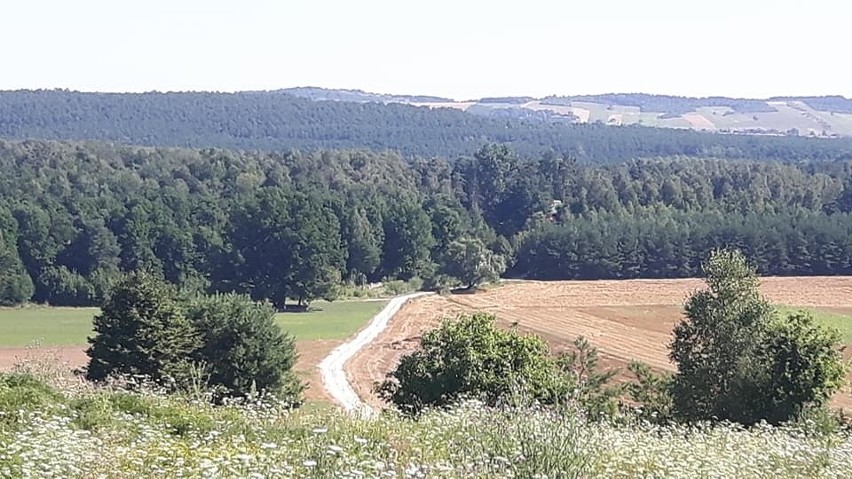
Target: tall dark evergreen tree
[[141, 330]]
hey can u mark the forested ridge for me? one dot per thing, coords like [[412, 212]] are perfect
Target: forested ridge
[[274, 121], [293, 225]]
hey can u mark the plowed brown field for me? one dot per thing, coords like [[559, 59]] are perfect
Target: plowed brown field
[[627, 320]]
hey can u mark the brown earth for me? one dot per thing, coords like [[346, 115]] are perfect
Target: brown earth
[[68, 358], [627, 320], [310, 355], [59, 357]]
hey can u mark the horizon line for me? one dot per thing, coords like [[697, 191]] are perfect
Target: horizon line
[[367, 92]]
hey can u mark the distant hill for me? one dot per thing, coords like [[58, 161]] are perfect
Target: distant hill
[[826, 116], [297, 119], [315, 93]]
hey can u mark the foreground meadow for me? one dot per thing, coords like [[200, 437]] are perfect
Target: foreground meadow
[[76, 431]]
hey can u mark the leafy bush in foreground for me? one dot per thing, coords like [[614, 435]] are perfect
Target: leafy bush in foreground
[[471, 357]]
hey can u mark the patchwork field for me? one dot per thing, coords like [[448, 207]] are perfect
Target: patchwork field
[[58, 335], [788, 115], [626, 320]]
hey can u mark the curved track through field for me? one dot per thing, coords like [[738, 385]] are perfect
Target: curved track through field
[[334, 377]]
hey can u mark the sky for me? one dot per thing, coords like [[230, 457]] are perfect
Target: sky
[[461, 49]]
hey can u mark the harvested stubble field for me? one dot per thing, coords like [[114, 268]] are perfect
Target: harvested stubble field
[[627, 319]]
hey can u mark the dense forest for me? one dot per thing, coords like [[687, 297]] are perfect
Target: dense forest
[[273, 121], [293, 226]]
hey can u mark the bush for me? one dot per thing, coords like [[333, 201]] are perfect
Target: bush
[[226, 343], [66, 287], [471, 357], [397, 287], [243, 348], [587, 386], [652, 393], [470, 262], [16, 286], [804, 366], [141, 331]]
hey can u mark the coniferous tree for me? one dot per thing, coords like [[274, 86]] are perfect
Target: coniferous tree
[[141, 330]]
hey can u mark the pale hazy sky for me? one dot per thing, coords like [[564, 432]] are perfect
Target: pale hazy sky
[[457, 48]]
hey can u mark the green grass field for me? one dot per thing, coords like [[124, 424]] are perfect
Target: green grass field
[[47, 326], [20, 327], [337, 320], [839, 321]]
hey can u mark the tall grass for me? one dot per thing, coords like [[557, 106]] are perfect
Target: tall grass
[[81, 431]]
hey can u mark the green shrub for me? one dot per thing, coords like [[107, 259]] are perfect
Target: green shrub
[[470, 357], [396, 287], [586, 385], [804, 366], [822, 421], [93, 411], [470, 262], [243, 348], [16, 286], [24, 392], [652, 393], [67, 287]]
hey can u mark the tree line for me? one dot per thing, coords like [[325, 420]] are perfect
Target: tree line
[[274, 121], [293, 226]]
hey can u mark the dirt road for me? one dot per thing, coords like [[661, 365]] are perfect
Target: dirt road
[[334, 377]]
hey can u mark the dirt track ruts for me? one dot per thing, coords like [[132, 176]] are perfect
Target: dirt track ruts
[[334, 377]]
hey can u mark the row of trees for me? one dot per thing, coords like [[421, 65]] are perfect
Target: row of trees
[[295, 226], [737, 359], [668, 244]]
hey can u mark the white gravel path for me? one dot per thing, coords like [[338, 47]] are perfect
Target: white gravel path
[[331, 368]]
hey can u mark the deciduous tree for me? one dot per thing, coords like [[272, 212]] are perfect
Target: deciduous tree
[[471, 262]]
